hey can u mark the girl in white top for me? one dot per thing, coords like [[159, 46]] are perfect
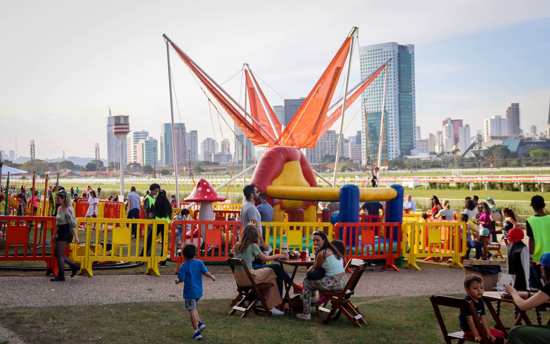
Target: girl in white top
[[93, 201]]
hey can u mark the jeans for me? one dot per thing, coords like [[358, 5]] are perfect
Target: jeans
[[134, 214], [62, 259], [474, 244]]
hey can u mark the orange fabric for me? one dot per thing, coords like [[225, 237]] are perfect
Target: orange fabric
[[304, 128], [351, 98], [246, 127], [260, 120], [272, 115]]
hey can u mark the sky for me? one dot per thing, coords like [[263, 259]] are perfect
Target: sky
[[65, 63]]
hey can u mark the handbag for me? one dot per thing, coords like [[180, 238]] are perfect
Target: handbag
[[316, 274]]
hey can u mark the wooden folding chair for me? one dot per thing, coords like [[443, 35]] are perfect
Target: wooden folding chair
[[250, 297], [340, 300], [460, 304]]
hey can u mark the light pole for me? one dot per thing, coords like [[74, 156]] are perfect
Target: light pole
[[121, 129]]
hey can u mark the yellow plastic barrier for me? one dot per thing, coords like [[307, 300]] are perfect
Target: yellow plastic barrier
[[227, 206], [110, 240], [444, 241], [293, 235], [412, 217]]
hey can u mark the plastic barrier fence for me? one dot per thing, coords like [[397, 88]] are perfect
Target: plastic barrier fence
[[371, 241], [110, 240], [228, 206], [107, 210], [444, 241], [294, 235], [28, 238], [214, 239]]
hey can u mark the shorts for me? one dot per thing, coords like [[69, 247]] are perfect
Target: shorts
[[191, 304]]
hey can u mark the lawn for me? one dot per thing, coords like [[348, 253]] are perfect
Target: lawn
[[390, 320], [483, 194]]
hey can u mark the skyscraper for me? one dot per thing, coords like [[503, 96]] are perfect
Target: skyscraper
[[135, 137], [115, 146], [547, 125], [225, 146], [97, 155], [179, 139], [33, 150], [400, 109], [280, 113], [209, 148], [147, 152], [192, 145], [325, 147], [464, 138], [290, 108], [512, 120], [494, 127]]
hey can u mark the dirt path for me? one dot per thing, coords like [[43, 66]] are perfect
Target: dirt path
[[34, 291]]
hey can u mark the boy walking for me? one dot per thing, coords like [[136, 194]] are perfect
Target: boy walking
[[190, 273]]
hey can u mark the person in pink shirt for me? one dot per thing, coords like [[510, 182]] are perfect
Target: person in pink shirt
[[484, 222]]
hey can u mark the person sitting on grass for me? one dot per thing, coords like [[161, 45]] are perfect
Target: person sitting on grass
[[532, 334], [190, 273], [473, 285]]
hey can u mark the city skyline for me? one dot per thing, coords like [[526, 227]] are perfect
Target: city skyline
[[76, 79]]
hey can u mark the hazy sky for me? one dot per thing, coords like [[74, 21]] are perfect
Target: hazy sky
[[64, 63]]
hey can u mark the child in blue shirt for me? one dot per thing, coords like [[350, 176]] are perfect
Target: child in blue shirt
[[190, 273]]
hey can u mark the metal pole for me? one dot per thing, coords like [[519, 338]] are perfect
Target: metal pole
[[121, 198], [381, 138], [338, 142], [45, 196], [174, 148], [6, 205], [244, 142], [32, 191]]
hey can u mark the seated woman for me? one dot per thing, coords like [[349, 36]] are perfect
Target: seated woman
[[248, 250], [328, 259], [532, 334]]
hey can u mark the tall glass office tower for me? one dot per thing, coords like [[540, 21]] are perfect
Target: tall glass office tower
[[400, 109]]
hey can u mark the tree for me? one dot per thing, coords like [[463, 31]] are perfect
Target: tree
[[147, 169], [68, 165], [165, 172], [94, 165], [539, 153]]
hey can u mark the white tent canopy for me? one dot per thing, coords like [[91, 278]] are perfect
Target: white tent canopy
[[12, 170]]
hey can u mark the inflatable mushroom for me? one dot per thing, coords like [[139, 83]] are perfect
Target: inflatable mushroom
[[205, 195]]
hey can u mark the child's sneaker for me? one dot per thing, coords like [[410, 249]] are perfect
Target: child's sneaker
[[202, 326], [197, 335]]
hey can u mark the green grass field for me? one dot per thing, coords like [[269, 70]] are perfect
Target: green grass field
[[390, 320]]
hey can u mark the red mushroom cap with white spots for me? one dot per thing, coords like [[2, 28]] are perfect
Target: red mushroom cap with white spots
[[204, 192]]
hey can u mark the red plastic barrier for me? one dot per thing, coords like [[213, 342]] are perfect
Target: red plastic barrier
[[29, 238], [111, 210], [81, 208], [369, 218], [371, 241], [214, 239]]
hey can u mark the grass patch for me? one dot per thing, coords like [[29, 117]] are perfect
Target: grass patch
[[483, 194], [390, 320]]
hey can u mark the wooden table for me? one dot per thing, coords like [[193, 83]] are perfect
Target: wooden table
[[520, 316], [295, 263]]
